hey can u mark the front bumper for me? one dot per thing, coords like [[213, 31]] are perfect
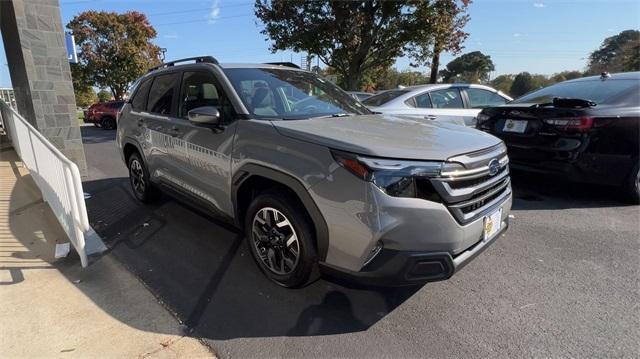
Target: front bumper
[[392, 268]]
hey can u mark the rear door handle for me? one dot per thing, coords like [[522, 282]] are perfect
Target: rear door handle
[[430, 117], [140, 122]]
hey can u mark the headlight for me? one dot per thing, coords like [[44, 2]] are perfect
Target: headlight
[[398, 178]]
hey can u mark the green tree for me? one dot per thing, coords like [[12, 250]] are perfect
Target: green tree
[[473, 67], [104, 96], [565, 75], [115, 49], [525, 82], [617, 53], [503, 83], [84, 93], [439, 28], [355, 38]]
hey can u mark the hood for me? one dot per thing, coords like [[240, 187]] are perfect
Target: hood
[[388, 136]]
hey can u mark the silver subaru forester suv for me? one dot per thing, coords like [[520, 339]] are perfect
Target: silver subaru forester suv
[[318, 183]]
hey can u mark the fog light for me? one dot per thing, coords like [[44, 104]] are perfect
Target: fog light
[[374, 252]]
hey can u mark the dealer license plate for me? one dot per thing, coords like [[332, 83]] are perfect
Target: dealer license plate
[[492, 224]]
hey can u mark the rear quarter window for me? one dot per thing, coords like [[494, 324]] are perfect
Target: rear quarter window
[[381, 99]]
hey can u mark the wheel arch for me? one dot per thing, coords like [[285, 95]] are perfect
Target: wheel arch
[[130, 146], [251, 176]]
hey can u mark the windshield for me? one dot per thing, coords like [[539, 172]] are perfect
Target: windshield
[[381, 99], [290, 94], [598, 91]]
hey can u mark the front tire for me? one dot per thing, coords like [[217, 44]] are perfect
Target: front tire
[[632, 187], [141, 186], [280, 237]]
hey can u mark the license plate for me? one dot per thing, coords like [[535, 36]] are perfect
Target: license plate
[[517, 126], [492, 224]]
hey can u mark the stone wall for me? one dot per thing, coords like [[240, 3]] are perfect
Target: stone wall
[[34, 42]]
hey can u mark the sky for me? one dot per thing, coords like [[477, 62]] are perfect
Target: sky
[[538, 36]]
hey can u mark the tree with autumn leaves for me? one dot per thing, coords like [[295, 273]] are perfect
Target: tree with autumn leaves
[[115, 50], [359, 38]]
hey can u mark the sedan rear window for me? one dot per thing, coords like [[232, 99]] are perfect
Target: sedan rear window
[[601, 92], [381, 99]]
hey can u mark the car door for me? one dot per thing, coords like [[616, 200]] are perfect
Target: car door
[[443, 105], [159, 143], [477, 99], [205, 161]]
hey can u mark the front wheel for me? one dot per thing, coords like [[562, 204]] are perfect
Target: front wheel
[[279, 234], [142, 187], [633, 185]]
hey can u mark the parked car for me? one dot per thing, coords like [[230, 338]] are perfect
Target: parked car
[[454, 103], [312, 176], [360, 96], [104, 114], [586, 129]]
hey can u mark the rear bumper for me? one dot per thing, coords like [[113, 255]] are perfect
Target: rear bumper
[[393, 268]]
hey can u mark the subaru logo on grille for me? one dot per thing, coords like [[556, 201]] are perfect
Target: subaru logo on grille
[[494, 166]]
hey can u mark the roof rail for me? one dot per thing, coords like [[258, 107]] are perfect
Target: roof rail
[[287, 64], [197, 59]]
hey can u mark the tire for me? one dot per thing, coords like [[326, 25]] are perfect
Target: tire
[[108, 123], [274, 247], [141, 186], [632, 186]]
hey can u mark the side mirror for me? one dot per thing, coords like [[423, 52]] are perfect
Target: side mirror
[[205, 115]]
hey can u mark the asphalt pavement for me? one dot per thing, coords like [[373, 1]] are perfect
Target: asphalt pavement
[[563, 281]]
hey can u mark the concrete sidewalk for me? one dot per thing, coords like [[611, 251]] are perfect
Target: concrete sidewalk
[[54, 308]]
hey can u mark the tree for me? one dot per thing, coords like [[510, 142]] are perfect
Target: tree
[[439, 29], [617, 53], [355, 38], [524, 82], [104, 96], [84, 93], [565, 75], [473, 67], [115, 49], [503, 83]]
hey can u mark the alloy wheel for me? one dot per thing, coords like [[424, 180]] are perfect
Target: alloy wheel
[[137, 176], [275, 241]]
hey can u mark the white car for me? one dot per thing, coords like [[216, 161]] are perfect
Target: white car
[[454, 103]]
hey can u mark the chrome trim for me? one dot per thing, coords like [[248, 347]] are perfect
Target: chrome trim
[[473, 215], [478, 157], [483, 197], [449, 194], [474, 173]]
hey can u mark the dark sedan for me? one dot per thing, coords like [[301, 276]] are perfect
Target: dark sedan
[[586, 130]]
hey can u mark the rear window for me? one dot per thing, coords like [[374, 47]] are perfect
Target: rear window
[[381, 99], [118, 104], [601, 92]]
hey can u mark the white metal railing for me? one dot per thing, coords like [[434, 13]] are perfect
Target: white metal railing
[[57, 177]]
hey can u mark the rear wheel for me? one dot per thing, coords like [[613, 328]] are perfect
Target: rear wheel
[[142, 187], [108, 123], [280, 237], [633, 185]]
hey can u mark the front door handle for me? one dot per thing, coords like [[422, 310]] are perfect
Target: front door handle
[[140, 122], [430, 117]]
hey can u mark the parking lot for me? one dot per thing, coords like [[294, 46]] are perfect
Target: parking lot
[[562, 281]]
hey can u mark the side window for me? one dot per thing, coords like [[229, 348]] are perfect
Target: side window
[[423, 101], [446, 98], [479, 98], [199, 88], [161, 94], [139, 101]]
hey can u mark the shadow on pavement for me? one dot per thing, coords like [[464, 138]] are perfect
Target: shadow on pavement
[[533, 191], [202, 271]]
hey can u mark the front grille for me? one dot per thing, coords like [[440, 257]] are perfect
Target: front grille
[[472, 192]]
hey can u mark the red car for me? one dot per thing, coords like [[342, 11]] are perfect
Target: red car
[[104, 114]]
